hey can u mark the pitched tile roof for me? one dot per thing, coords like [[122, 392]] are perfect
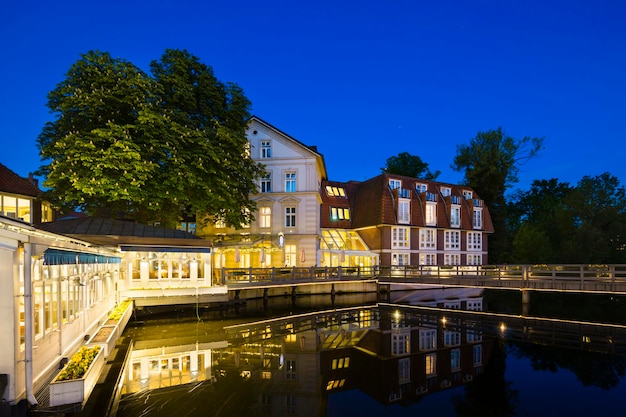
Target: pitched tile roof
[[12, 183]]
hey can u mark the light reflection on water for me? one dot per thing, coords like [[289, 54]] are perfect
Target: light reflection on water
[[433, 358]]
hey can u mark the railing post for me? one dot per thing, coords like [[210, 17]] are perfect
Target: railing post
[[612, 272], [581, 273], [250, 274], [273, 274], [339, 272]]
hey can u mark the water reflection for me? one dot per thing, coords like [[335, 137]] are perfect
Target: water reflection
[[438, 347]]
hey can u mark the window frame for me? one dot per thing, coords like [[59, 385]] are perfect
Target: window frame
[[290, 217], [291, 181], [400, 237], [265, 146]]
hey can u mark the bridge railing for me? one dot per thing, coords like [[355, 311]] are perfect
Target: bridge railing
[[582, 277], [250, 275]]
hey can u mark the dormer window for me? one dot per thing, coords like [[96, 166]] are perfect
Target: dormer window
[[467, 194], [421, 188], [393, 184], [445, 191], [333, 191]]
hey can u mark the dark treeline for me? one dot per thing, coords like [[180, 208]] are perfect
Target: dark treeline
[[555, 222]]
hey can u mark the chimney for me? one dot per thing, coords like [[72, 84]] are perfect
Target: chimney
[[33, 180]]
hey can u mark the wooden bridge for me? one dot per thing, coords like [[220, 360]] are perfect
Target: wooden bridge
[[562, 278]]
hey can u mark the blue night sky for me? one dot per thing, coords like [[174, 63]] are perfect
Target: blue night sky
[[362, 80]]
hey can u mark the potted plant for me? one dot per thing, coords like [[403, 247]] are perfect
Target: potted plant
[[74, 383]]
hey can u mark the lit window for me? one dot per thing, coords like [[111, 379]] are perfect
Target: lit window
[[393, 184], [431, 214], [339, 213], [266, 183], [399, 237], [431, 363], [335, 383], [332, 191], [266, 149], [290, 182], [220, 224], [290, 255], [265, 219], [340, 363], [290, 217]]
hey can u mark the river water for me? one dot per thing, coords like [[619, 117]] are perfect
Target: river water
[[428, 352]]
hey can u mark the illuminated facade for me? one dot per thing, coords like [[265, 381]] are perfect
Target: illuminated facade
[[59, 285], [410, 221], [19, 198], [286, 229]]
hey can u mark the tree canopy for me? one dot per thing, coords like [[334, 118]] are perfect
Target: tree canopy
[[410, 166], [149, 148], [557, 223], [491, 162]]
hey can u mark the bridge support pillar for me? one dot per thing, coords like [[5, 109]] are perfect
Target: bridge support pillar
[[525, 302]]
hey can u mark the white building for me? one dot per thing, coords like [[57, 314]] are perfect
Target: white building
[[286, 229]]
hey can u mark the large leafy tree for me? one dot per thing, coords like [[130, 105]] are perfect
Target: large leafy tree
[[409, 165], [120, 145], [491, 162], [213, 118]]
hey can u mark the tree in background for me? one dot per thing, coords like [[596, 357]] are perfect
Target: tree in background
[[556, 223], [538, 222], [120, 146], [598, 212], [409, 166], [491, 163]]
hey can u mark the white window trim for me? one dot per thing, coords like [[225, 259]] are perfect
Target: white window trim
[[400, 237]]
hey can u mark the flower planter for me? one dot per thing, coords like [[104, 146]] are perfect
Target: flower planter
[[120, 321], [106, 337], [75, 391]]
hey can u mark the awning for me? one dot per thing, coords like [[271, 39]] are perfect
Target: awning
[[154, 248], [67, 257]]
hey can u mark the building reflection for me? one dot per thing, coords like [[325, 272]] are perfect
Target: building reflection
[[294, 363]]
